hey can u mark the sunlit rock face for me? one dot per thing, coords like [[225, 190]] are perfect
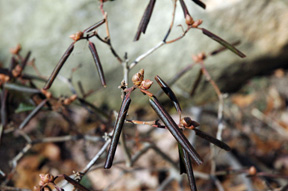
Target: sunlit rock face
[[44, 28]]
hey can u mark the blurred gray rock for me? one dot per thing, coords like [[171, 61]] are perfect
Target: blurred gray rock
[[44, 26]]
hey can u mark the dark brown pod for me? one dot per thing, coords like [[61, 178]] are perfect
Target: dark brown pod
[[59, 66], [97, 63], [174, 129], [117, 131]]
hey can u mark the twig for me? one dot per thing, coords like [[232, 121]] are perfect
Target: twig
[[269, 121], [32, 114], [96, 157], [15, 160], [165, 183], [217, 183], [10, 86], [141, 57], [125, 149]]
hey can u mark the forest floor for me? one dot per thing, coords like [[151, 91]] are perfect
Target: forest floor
[[256, 129]]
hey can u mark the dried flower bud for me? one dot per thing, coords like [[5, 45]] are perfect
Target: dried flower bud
[[15, 50], [45, 178], [46, 93], [67, 101], [73, 97], [252, 171], [76, 36], [202, 56], [4, 78], [36, 188], [138, 77], [188, 123], [197, 23], [47, 189], [189, 20], [16, 72], [146, 84]]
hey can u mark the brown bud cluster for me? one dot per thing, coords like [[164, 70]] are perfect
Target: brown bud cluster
[[197, 23], [252, 171], [146, 84], [188, 123], [46, 93], [189, 20], [200, 57], [3, 78], [70, 99], [77, 36], [45, 179], [15, 50], [16, 72], [138, 77], [138, 80]]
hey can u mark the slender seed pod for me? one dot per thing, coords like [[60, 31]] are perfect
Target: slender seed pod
[[59, 66], [117, 131], [189, 171], [181, 160], [145, 19], [212, 140], [25, 61], [89, 29], [222, 42], [32, 114], [174, 129], [200, 3], [169, 93], [97, 62], [76, 184]]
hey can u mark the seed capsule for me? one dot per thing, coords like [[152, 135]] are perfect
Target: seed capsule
[[252, 171], [138, 77], [197, 23], [189, 20], [188, 123], [76, 36], [146, 84], [15, 50]]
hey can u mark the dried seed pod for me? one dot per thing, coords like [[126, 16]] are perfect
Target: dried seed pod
[[252, 171], [67, 101], [36, 188], [16, 72], [212, 140], [188, 123], [15, 50], [46, 93], [59, 66], [197, 23], [189, 170], [77, 36], [189, 20], [4, 78], [117, 131], [145, 19], [138, 77], [222, 42], [202, 56], [46, 178], [146, 84], [97, 62], [168, 91], [89, 29], [174, 129], [73, 97]]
